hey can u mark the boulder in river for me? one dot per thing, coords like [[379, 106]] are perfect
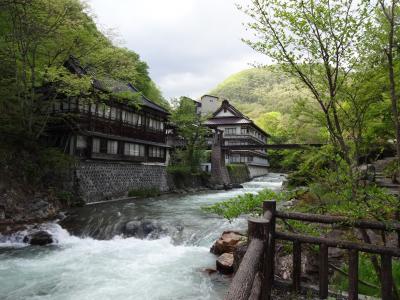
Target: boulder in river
[[227, 243], [38, 238], [225, 263], [149, 229], [237, 186]]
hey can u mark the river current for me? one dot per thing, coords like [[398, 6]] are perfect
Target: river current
[[91, 260]]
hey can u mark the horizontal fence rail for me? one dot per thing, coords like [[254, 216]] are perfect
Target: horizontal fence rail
[[334, 220], [255, 277]]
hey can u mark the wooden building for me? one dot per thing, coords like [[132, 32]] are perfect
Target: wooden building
[[110, 129], [239, 130]]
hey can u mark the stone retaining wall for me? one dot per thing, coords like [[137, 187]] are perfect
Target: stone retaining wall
[[256, 171], [238, 173], [100, 180]]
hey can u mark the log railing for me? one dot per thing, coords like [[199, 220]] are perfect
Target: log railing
[[255, 277]]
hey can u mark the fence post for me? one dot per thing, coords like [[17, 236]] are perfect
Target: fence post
[[269, 209], [323, 271], [353, 274], [386, 277], [243, 283], [296, 276]]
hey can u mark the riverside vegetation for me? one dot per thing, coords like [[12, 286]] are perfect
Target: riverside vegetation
[[339, 60]]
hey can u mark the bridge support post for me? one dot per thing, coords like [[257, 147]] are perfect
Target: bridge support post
[[219, 172]]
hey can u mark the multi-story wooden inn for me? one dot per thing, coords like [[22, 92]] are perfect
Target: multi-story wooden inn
[[238, 130], [119, 146]]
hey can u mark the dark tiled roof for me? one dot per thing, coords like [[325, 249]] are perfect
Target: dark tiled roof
[[111, 85], [227, 106]]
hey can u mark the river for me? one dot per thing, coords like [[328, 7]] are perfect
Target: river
[[91, 260]]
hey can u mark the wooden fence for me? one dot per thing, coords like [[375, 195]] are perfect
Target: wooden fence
[[255, 277]]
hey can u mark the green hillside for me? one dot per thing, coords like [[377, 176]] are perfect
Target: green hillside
[[259, 90], [270, 98]]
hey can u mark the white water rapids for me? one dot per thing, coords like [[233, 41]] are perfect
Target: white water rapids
[[82, 267]]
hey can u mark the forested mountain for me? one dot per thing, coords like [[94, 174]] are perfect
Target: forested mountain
[[260, 90], [273, 101]]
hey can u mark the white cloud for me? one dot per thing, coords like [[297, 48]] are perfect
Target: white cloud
[[190, 45]]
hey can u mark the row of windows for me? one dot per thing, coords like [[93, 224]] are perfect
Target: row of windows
[[244, 131], [238, 158], [132, 118], [230, 130], [111, 147], [156, 152], [235, 142], [108, 112], [134, 149], [155, 124]]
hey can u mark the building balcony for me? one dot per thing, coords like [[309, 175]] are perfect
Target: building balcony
[[247, 136]]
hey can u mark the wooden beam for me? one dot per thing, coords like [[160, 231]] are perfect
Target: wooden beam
[[269, 209], [368, 248], [242, 284], [256, 288], [324, 219]]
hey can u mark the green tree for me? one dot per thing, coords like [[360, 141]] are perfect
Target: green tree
[[190, 128], [315, 42]]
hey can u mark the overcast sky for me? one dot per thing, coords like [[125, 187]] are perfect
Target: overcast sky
[[189, 45]]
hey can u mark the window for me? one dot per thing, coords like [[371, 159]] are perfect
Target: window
[[93, 108], [96, 145], [131, 118], [112, 147], [127, 117], [230, 130], [72, 104], [134, 118], [133, 149], [244, 130], [82, 104], [100, 110], [107, 112], [156, 152], [64, 106], [80, 142], [155, 124], [113, 113], [57, 106]]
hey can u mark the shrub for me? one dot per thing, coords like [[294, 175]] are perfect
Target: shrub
[[246, 204], [392, 170], [179, 170]]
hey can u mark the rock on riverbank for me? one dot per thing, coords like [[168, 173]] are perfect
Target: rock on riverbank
[[226, 247]]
